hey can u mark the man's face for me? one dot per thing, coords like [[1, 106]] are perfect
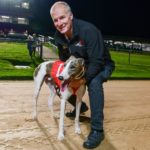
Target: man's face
[[62, 19]]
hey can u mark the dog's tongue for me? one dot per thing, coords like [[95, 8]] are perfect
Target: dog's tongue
[[63, 85], [62, 88]]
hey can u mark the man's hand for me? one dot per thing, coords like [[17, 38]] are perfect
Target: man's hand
[[77, 83]]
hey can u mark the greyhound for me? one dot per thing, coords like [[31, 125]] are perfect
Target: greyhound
[[58, 82]]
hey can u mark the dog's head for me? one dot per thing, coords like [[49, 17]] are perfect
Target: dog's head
[[73, 69]]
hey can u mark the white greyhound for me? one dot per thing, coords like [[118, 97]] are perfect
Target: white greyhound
[[58, 81]]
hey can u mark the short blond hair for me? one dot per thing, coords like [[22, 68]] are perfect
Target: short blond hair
[[62, 3]]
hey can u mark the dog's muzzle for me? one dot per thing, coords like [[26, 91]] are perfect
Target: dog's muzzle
[[64, 82]]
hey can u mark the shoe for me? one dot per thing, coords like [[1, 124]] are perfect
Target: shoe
[[72, 114], [94, 139]]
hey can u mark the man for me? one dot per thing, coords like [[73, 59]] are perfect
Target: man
[[31, 45], [82, 39]]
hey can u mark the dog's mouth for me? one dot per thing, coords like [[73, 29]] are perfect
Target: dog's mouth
[[64, 84]]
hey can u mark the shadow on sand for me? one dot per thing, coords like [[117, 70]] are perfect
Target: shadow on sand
[[70, 143]]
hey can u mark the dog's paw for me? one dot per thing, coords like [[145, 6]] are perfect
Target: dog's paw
[[34, 116], [77, 130], [56, 116], [60, 136]]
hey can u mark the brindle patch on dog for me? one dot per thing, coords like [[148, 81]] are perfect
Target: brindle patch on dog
[[48, 67], [37, 70], [76, 67]]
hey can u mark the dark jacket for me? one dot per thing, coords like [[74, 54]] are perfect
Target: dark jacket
[[87, 42]]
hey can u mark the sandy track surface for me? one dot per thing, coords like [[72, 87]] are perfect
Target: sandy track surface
[[127, 118]]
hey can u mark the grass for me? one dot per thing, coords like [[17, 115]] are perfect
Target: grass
[[12, 54], [139, 67]]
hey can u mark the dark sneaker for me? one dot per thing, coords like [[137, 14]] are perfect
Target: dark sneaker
[[94, 139], [72, 114]]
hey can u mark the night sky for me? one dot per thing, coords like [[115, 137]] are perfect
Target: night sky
[[129, 18]]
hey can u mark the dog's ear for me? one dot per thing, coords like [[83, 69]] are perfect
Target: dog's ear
[[72, 57], [81, 61]]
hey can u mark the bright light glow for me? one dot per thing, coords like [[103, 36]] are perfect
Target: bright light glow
[[5, 17], [25, 5], [23, 21], [21, 18]]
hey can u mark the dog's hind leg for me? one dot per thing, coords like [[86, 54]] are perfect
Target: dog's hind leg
[[38, 81]]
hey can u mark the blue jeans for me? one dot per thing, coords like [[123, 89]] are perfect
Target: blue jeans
[[96, 96]]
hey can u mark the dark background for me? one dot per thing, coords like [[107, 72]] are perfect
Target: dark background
[[127, 18]]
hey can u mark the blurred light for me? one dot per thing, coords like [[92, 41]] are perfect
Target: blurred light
[[25, 5], [21, 18], [5, 17]]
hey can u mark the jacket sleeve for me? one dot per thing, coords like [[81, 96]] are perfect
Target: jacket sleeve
[[63, 53], [95, 50]]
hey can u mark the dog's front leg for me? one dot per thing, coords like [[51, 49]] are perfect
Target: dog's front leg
[[78, 106], [61, 122], [51, 100], [80, 92], [50, 104]]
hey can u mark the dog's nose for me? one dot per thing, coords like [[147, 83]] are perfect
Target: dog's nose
[[60, 78]]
